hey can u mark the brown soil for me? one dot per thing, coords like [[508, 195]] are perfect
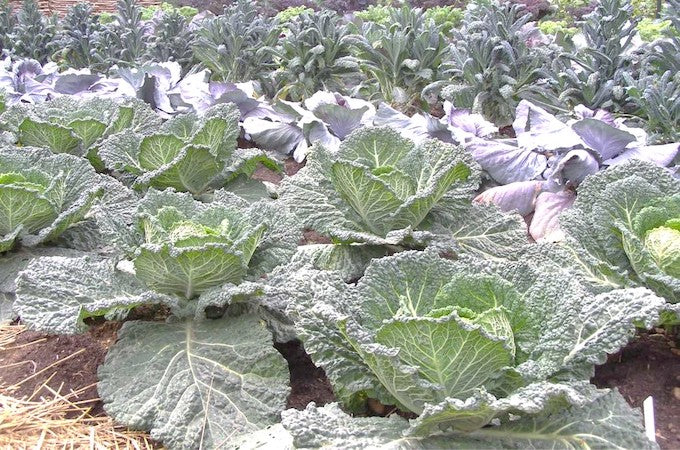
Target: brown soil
[[650, 365], [308, 383], [64, 363], [290, 167], [263, 173]]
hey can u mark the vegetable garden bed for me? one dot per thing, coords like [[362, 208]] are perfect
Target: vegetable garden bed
[[650, 365], [393, 229]]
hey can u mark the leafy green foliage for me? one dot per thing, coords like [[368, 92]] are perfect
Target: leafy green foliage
[[195, 384], [77, 127], [124, 41], [7, 23], [187, 153], [292, 12], [658, 101], [651, 30], [462, 343], [607, 420], [402, 57], [594, 75], [32, 35], [185, 11], [77, 36], [493, 66], [41, 195], [231, 45], [377, 186], [313, 54], [172, 40], [621, 229]]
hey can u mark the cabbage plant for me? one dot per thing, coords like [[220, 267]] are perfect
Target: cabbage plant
[[381, 192], [188, 153], [465, 345], [75, 126], [42, 194], [204, 262], [623, 230]]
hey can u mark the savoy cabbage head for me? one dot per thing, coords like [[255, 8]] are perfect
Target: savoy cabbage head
[[461, 344], [383, 192], [378, 187], [42, 194], [189, 153], [75, 126], [623, 230]]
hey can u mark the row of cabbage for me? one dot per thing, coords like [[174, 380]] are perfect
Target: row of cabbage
[[495, 59], [418, 296]]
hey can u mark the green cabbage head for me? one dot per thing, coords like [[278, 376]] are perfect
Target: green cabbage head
[[42, 194], [187, 247], [378, 187], [624, 229], [458, 343]]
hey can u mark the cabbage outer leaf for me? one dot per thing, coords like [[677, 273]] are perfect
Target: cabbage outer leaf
[[195, 384]]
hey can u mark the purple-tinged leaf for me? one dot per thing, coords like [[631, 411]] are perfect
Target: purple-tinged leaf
[[661, 155], [545, 225], [536, 129], [519, 196], [606, 140], [574, 167], [507, 163]]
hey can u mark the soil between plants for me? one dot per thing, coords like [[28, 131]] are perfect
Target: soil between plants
[[649, 365]]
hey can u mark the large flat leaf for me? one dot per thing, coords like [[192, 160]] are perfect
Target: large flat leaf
[[606, 140], [195, 384], [55, 294], [507, 163], [190, 271]]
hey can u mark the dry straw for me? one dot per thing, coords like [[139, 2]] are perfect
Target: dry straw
[[56, 421]]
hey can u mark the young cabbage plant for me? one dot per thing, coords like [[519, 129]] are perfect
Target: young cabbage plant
[[42, 195], [204, 261], [188, 153], [623, 231], [464, 345], [76, 126], [381, 192]]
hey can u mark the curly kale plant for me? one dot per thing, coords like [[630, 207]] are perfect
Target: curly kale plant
[[464, 345], [75, 41], [494, 65], [313, 54], [231, 45], [402, 58], [42, 194]]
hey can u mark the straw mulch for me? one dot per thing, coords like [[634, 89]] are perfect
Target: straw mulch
[[57, 421]]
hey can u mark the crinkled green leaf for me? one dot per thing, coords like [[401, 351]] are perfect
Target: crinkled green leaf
[[195, 384], [55, 294], [57, 138]]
